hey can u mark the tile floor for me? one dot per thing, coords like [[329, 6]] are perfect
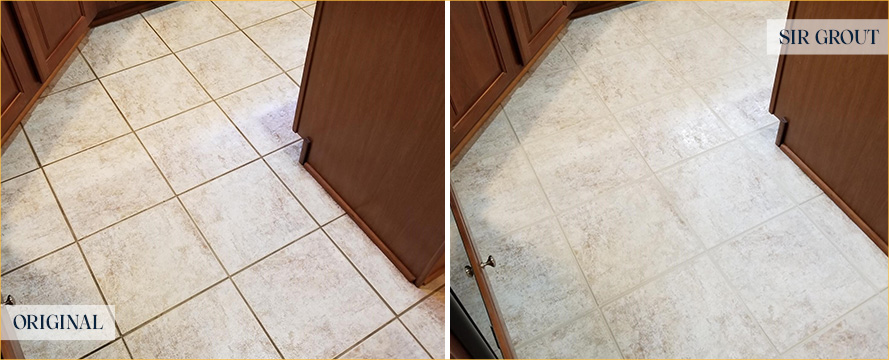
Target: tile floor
[[159, 174], [637, 207]]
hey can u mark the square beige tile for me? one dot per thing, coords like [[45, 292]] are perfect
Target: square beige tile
[[548, 102], [296, 74], [106, 184], [553, 59], [741, 98], [228, 64], [587, 337], [499, 194], [659, 20], [149, 263], [73, 120], [17, 156], [311, 195], [154, 91], [329, 308], [672, 128], [73, 73], [264, 112], [399, 293], [392, 342], [770, 157], [849, 239], [690, 313], [304, 4], [285, 38], [59, 279], [496, 138], [310, 10], [427, 322], [196, 146], [699, 63], [723, 193], [791, 278], [216, 324], [746, 21], [577, 164], [115, 350], [33, 224], [188, 23], [247, 214], [122, 44], [592, 37], [631, 77], [537, 281], [627, 236], [247, 13]]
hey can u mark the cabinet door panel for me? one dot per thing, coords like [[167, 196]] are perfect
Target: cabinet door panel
[[535, 22], [19, 83], [52, 29], [483, 63]]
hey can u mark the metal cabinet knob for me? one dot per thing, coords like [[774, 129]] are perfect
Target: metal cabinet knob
[[468, 270], [490, 262]]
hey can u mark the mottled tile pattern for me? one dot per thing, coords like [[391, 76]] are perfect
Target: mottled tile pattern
[[427, 322], [319, 320], [17, 156], [590, 38], [264, 112], [154, 91], [158, 252], [196, 146], [216, 324], [310, 194], [659, 20], [285, 38], [392, 342], [228, 64], [121, 44], [247, 13], [585, 338], [73, 120], [185, 24], [106, 184], [697, 63], [631, 77], [496, 138], [741, 98], [33, 224], [296, 74], [554, 58], [73, 73], [115, 350], [770, 157]]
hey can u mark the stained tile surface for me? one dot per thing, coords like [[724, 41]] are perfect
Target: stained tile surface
[[185, 24], [228, 64], [122, 44], [427, 322], [264, 112]]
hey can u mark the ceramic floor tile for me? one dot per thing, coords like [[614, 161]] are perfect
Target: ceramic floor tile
[[741, 98], [59, 279], [33, 224], [121, 44], [537, 281], [555, 58], [185, 24], [745, 21], [73, 120], [316, 200], [577, 164], [247, 13], [791, 278], [699, 63], [310, 10], [196, 146], [399, 293], [154, 91], [247, 214], [17, 156], [862, 334], [427, 322], [496, 138], [690, 313], [672, 128], [849, 239], [108, 183], [589, 38], [324, 294], [73, 73], [548, 102], [793, 180], [296, 74], [658, 20], [264, 112], [285, 38], [723, 193], [499, 194], [115, 350], [228, 64], [632, 77], [304, 4], [587, 337], [158, 252], [627, 236], [391, 342], [216, 324]]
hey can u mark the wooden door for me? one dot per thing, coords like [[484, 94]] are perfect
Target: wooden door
[[52, 30], [483, 63], [19, 82], [372, 104], [535, 22], [836, 110]]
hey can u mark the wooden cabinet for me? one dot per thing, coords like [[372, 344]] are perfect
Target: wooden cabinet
[[535, 23], [20, 82], [835, 110], [108, 11], [483, 62], [52, 30]]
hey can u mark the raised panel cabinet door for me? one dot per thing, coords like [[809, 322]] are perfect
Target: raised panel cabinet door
[[19, 83], [483, 63], [52, 30], [535, 22]]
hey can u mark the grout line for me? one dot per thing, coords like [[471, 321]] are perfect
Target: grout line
[[368, 336], [415, 338], [254, 42]]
